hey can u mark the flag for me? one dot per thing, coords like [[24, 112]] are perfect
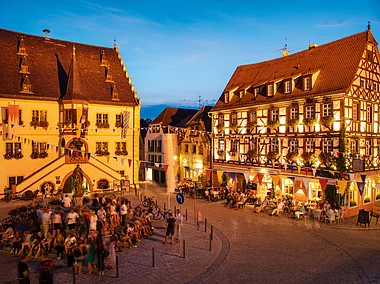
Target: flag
[[232, 175], [360, 187], [13, 119], [166, 167], [275, 180], [363, 177], [306, 182], [122, 161], [246, 176], [306, 171], [342, 174], [219, 174], [342, 186], [314, 171], [299, 169], [157, 165], [279, 165], [129, 162], [126, 115], [260, 177], [208, 174], [323, 182], [352, 177], [147, 164]]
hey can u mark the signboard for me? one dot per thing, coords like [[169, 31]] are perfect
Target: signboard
[[358, 165], [363, 218], [180, 198]]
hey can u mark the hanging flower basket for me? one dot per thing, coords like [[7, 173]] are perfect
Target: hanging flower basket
[[272, 124], [291, 156], [293, 122], [327, 121], [273, 155], [309, 121]]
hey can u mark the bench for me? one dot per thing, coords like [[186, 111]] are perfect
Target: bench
[[375, 213]]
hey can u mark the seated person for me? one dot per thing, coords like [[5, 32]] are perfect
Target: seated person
[[257, 207], [279, 207], [27, 243], [7, 235], [16, 243], [207, 194], [301, 211]]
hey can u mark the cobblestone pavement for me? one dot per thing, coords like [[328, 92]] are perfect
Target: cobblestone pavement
[[247, 248]]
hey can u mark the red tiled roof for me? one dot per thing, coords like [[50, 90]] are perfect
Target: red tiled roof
[[202, 115], [49, 63], [174, 116], [337, 63]]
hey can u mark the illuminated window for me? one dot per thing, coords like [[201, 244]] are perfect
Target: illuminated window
[[221, 120], [354, 146], [307, 83], [288, 87], [234, 118], [235, 145], [327, 109], [309, 146], [294, 113], [353, 195], [293, 144], [226, 97], [327, 146], [256, 91], [367, 191], [368, 147], [221, 145], [270, 90], [241, 94], [274, 114], [310, 111]]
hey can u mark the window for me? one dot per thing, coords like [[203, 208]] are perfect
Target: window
[[369, 113], [233, 118], [39, 115], [367, 191], [158, 146], [234, 145], [9, 148], [310, 111], [327, 146], [354, 146], [362, 83], [270, 90], [256, 91], [293, 144], [186, 148], [252, 116], [118, 120], [221, 145], [288, 185], [274, 114], [221, 120], [327, 109], [121, 148], [34, 147], [374, 87], [14, 180], [102, 118], [307, 84], [241, 94], [70, 115], [368, 147], [294, 113], [309, 146], [274, 145], [355, 111], [288, 87], [13, 150], [226, 97], [194, 149], [102, 148], [43, 147], [200, 150], [353, 195]]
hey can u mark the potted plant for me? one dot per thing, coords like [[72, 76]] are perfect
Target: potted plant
[[293, 122], [34, 155], [43, 124], [273, 124], [309, 158], [8, 156], [327, 121], [220, 152], [353, 203], [291, 156], [367, 199], [252, 154], [99, 124], [118, 124], [378, 196], [309, 121], [43, 155], [34, 123], [327, 159], [273, 155], [18, 155]]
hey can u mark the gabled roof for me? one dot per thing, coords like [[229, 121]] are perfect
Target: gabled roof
[[336, 64], [177, 117], [53, 71], [202, 115]]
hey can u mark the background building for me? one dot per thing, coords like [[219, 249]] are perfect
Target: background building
[[63, 104], [308, 115]]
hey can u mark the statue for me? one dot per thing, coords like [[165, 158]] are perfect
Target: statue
[[78, 182]]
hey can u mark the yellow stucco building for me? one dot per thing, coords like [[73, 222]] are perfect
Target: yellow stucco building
[[64, 104]]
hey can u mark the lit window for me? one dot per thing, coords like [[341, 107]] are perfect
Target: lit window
[[252, 117], [374, 87], [221, 120], [294, 113], [226, 97], [270, 90], [234, 118], [274, 115], [234, 145], [39, 115], [354, 146], [310, 111], [288, 87], [221, 145], [307, 84], [309, 146], [362, 83], [327, 109], [293, 143], [368, 147], [369, 113]]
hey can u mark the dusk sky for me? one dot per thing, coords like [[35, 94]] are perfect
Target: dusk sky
[[178, 50]]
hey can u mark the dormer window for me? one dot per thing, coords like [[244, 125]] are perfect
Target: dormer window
[[256, 91], [114, 92], [241, 94], [226, 97], [270, 90], [307, 84], [26, 87], [288, 87]]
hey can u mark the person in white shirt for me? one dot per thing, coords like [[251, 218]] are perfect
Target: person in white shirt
[[56, 219], [72, 219], [279, 207], [178, 222], [123, 212], [66, 201], [45, 222], [93, 221], [102, 214]]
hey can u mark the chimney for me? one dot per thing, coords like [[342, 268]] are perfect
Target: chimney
[[312, 45]]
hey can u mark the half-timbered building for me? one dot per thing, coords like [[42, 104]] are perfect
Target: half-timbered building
[[305, 115]]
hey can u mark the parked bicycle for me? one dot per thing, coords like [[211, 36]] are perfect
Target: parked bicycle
[[149, 202], [159, 214]]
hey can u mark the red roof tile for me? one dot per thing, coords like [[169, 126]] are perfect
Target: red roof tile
[[174, 116], [337, 63], [49, 63]]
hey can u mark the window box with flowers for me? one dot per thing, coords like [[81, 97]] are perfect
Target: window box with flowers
[[327, 159], [232, 153], [293, 122], [20, 122], [43, 124], [102, 153], [34, 123], [34, 155], [18, 155], [67, 122], [309, 159], [121, 153], [8, 156], [273, 155], [291, 157], [252, 154], [309, 121], [43, 155], [327, 121], [118, 124], [273, 124], [220, 152], [367, 199], [102, 125]]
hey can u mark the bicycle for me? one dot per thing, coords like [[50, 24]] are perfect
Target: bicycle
[[149, 202], [159, 214]]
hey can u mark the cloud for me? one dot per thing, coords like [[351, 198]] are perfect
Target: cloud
[[98, 7], [332, 24], [139, 49]]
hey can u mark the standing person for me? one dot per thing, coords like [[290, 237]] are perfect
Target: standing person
[[72, 219], [170, 228], [100, 253], [66, 202], [90, 256], [45, 222], [123, 212], [23, 270], [93, 221], [178, 222], [57, 221], [199, 218], [59, 244]]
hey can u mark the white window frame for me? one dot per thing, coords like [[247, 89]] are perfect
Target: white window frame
[[293, 144], [270, 89], [274, 114], [327, 109], [274, 145], [294, 113], [235, 145], [234, 118], [288, 87], [327, 146], [222, 145], [307, 84], [309, 146], [310, 111]]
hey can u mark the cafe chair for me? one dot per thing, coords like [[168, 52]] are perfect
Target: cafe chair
[[330, 219]]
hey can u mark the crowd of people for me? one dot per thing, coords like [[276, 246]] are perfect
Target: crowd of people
[[83, 237]]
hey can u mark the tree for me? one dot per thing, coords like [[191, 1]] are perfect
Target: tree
[[144, 122]]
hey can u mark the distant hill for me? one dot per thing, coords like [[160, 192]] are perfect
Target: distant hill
[[151, 111]]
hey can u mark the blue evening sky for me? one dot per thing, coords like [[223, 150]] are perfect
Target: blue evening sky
[[178, 50]]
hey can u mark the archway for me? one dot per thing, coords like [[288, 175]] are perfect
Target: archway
[[76, 151], [68, 183]]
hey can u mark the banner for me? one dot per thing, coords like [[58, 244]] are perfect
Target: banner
[[342, 186], [157, 165], [360, 187], [13, 120], [352, 177], [147, 164], [260, 177], [275, 180], [166, 167], [129, 162], [208, 174], [246, 177], [323, 182], [306, 182], [219, 174], [126, 115], [232, 175], [314, 171], [363, 177]]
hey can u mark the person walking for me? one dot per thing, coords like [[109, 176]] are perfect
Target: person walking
[[23, 270], [170, 228], [199, 218], [178, 222]]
